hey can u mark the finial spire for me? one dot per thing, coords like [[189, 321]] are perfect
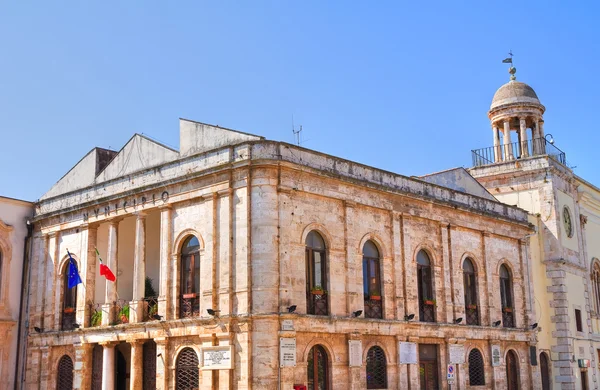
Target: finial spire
[[512, 70]]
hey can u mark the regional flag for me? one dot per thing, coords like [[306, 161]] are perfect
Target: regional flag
[[74, 278], [507, 60], [104, 270]]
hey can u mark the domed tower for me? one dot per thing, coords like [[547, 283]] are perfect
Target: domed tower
[[516, 107]]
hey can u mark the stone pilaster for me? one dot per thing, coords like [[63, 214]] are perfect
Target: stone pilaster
[[165, 287], [138, 305], [87, 260], [162, 363], [82, 378]]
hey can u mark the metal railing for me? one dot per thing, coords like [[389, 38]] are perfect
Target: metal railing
[[517, 150]]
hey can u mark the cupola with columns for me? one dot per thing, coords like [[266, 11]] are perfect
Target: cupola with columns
[[516, 107]]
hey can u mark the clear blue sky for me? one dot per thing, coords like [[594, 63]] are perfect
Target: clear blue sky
[[404, 86]]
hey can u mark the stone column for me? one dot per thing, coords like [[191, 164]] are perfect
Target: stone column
[[542, 139], [497, 154], [138, 305], [108, 365], [82, 378], [136, 377], [414, 380], [110, 296], [508, 154], [164, 293], [523, 135]]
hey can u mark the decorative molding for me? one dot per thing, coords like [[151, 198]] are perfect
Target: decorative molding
[[5, 227]]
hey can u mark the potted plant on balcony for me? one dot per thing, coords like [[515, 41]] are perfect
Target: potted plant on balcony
[[472, 307], [375, 296], [317, 290], [507, 309], [69, 310], [96, 318], [124, 314], [429, 302]]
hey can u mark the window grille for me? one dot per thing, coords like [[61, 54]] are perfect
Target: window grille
[[376, 369], [476, 372], [65, 374], [187, 370]]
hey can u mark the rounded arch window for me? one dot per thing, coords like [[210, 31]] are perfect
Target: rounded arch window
[[425, 286], [470, 287], [376, 368], [64, 377], [318, 369], [316, 274], [186, 370], [190, 277], [596, 285], [69, 301], [506, 297], [372, 281], [476, 370]]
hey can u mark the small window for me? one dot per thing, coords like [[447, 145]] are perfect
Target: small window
[[578, 322], [476, 371], [567, 222], [376, 369]]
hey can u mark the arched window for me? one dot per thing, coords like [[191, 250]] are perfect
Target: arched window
[[97, 359], [595, 286], [69, 304], [64, 377], [372, 281], [376, 369], [470, 285], [512, 371], [425, 285], [476, 371], [318, 369], [545, 371], [190, 278], [316, 274], [187, 370], [506, 296]]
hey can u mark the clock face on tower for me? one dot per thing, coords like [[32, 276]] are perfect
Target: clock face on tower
[[567, 222]]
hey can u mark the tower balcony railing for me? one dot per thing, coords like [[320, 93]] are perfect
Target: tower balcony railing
[[517, 150]]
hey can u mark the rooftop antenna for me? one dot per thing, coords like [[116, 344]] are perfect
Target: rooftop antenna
[[296, 132], [512, 70]]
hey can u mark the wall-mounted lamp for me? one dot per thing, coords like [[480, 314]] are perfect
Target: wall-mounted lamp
[[76, 326], [458, 320], [291, 309], [157, 317], [38, 330], [356, 313], [409, 317], [213, 312], [497, 323], [533, 326], [551, 140], [159, 355]]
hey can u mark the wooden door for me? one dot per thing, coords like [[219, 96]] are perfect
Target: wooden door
[[428, 367], [512, 372]]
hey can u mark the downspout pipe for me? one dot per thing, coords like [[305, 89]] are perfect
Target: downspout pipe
[[24, 300]]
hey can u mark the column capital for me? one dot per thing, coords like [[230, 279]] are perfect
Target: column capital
[[140, 214], [109, 344], [164, 207], [114, 220]]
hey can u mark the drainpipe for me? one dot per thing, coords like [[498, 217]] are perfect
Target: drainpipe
[[24, 301]]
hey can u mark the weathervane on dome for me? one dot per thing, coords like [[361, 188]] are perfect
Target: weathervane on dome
[[512, 70]]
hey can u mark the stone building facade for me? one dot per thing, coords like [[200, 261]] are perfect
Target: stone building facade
[[532, 173], [369, 279], [14, 239]]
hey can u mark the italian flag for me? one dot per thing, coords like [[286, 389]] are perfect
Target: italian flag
[[104, 270]]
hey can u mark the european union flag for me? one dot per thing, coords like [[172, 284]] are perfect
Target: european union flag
[[74, 278]]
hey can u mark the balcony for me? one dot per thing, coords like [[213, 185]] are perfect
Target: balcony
[[517, 150]]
